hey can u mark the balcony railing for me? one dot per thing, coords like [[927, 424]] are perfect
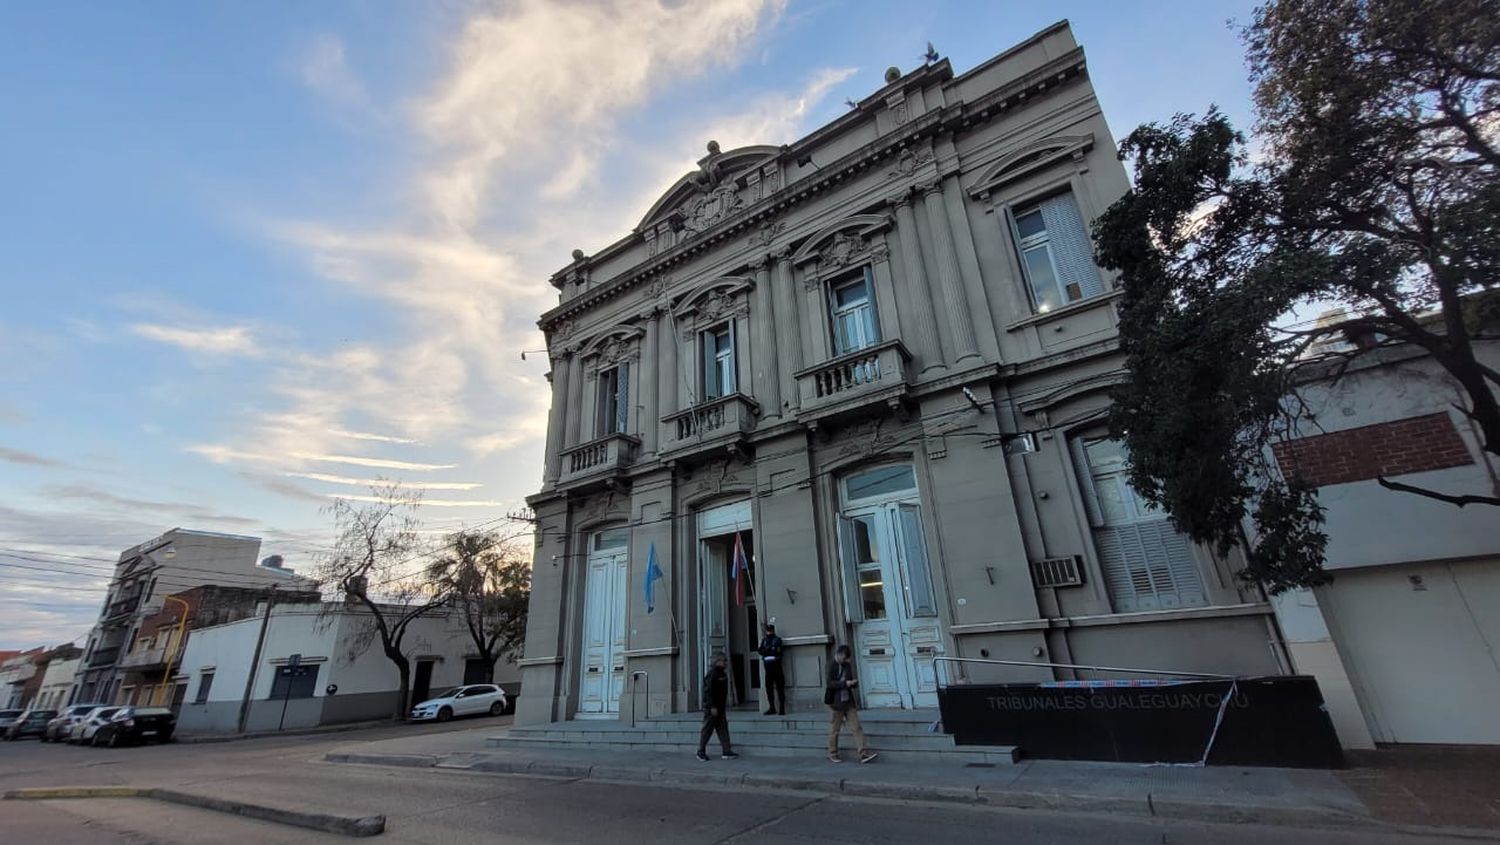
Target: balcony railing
[[150, 658], [875, 374], [710, 426], [104, 657], [123, 607], [598, 458]]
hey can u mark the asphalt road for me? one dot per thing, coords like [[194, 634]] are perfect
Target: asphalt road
[[444, 808]]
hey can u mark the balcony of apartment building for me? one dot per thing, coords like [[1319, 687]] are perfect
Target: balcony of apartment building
[[714, 428], [146, 659], [849, 384], [598, 462], [104, 657]]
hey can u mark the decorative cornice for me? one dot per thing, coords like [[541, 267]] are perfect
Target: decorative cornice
[[957, 117]]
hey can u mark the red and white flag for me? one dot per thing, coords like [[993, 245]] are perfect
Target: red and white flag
[[740, 571]]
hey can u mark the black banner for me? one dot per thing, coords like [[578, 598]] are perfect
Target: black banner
[[1271, 721]]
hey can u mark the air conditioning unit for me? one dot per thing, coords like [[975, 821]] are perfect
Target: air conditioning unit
[[1057, 571]]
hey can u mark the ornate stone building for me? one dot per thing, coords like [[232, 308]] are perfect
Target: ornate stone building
[[877, 360]]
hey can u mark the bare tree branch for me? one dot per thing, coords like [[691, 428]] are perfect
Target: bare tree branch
[[1458, 500]]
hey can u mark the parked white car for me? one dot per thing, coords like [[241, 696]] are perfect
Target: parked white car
[[467, 700], [84, 729]]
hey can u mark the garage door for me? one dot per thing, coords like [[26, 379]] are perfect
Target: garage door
[[1420, 645]]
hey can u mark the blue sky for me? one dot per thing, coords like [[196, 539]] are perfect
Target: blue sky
[[252, 256]]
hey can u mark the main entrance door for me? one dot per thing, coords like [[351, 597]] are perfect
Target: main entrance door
[[602, 673], [725, 626], [888, 588]]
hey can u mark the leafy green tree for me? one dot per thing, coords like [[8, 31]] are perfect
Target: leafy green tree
[[1374, 186], [488, 578]]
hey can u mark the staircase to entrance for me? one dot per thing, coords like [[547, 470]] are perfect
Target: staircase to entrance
[[899, 735]]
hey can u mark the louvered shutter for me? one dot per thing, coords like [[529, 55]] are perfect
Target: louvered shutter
[[1072, 252], [1149, 566], [914, 555], [1085, 481], [854, 607]]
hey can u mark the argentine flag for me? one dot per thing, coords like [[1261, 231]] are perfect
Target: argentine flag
[[653, 574]]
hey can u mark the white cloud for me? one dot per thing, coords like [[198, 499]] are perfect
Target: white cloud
[[365, 435], [367, 482], [325, 70], [378, 463], [434, 503], [226, 340]]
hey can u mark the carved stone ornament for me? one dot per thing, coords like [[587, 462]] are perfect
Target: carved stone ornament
[[613, 352], [911, 159], [715, 305], [846, 249], [765, 234], [567, 329], [702, 213]]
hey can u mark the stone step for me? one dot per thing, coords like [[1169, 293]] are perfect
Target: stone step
[[793, 747], [604, 730], [796, 739]]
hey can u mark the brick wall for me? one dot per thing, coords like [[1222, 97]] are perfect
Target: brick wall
[[1415, 444]]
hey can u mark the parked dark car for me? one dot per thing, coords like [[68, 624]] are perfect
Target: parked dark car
[[31, 723], [136, 726], [58, 728], [8, 718]]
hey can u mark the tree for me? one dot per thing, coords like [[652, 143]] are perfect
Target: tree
[[488, 578], [1375, 188], [371, 563]]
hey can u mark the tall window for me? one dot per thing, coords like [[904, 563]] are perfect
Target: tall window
[[295, 681], [1147, 563], [718, 361], [1055, 253], [853, 310], [205, 683], [614, 400]]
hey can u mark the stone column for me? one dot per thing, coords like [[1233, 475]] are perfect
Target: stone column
[[559, 418], [766, 375], [650, 412], [924, 340], [575, 399], [815, 321], [955, 302], [667, 375], [788, 333]]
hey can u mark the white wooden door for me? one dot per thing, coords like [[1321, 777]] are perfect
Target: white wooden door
[[713, 602], [889, 595], [602, 673]]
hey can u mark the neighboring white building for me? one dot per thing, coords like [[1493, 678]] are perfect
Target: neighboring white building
[[342, 676], [14, 673], [57, 682], [1404, 642], [176, 561]]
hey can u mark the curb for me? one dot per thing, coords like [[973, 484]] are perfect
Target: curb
[[327, 822], [328, 729], [1149, 807]]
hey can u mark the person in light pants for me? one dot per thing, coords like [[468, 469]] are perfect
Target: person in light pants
[[842, 700]]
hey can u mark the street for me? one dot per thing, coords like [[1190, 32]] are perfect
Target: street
[[435, 806]]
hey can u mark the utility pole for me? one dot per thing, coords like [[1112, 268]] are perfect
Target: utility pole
[[260, 643]]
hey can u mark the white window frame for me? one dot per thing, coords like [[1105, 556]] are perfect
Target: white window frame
[[720, 363], [866, 313], [614, 404], [1044, 241]]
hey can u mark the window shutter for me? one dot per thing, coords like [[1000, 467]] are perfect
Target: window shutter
[[919, 597], [622, 400], [1149, 566], [872, 316], [854, 608], [710, 381], [1085, 481], [732, 383], [1071, 248]]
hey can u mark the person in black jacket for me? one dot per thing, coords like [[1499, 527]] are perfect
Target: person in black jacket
[[844, 702], [770, 650], [715, 712]]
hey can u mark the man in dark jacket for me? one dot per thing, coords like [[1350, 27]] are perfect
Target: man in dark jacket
[[844, 702], [715, 712], [770, 650]]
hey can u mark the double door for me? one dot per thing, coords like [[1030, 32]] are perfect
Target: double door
[[889, 598], [602, 673]]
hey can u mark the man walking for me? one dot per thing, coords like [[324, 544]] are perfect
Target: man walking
[[841, 699], [770, 650], [715, 713]]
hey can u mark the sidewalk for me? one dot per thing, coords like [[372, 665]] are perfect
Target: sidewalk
[[1296, 797]]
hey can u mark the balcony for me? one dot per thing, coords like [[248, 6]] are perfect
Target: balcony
[[104, 657], [147, 658], [123, 607], [709, 429], [850, 383], [597, 461]]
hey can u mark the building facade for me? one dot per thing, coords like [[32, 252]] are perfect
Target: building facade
[[873, 365], [57, 681], [245, 671], [175, 561], [1404, 641]]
